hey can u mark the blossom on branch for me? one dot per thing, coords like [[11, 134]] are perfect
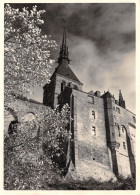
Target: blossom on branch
[[26, 50]]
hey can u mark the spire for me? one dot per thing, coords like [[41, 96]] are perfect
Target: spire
[[121, 101], [64, 44], [120, 96], [64, 54]]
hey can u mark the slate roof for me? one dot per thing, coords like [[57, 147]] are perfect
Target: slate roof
[[65, 70]]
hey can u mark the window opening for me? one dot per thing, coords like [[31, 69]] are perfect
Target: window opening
[[123, 129], [93, 114], [134, 119], [94, 130], [119, 130], [63, 84], [124, 146]]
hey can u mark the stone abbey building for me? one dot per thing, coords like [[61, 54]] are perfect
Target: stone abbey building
[[103, 130]]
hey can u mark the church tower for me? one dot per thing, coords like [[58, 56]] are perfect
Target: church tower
[[102, 130], [63, 76]]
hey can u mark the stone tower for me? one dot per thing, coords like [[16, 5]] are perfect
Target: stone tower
[[102, 144], [118, 123], [63, 76]]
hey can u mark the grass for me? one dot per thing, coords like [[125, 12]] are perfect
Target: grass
[[91, 184]]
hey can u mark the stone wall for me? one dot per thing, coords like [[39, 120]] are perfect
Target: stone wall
[[96, 126], [126, 138], [92, 157], [53, 90], [19, 108]]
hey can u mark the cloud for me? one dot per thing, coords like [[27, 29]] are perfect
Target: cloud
[[101, 40], [105, 24], [98, 72]]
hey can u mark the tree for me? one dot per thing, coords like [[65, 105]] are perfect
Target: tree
[[28, 164], [26, 50]]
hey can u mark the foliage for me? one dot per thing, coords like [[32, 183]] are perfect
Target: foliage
[[55, 133], [26, 50], [27, 165]]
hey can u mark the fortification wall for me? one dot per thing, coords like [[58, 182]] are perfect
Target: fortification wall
[[92, 158], [125, 121], [20, 107]]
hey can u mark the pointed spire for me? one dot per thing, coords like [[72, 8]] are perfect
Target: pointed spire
[[120, 96], [64, 54], [64, 44], [121, 101]]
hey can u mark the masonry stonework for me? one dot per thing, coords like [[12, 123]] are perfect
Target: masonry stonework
[[103, 130], [102, 144]]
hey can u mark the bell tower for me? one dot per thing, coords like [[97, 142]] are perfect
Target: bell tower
[[62, 77]]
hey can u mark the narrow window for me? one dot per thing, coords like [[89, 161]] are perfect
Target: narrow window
[[93, 114], [124, 146], [63, 84], [123, 129], [119, 131], [134, 119], [93, 130], [62, 87]]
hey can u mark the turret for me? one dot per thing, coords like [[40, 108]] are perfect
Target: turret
[[121, 101], [111, 129]]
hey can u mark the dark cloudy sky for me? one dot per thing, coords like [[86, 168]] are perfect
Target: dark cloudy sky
[[101, 40]]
